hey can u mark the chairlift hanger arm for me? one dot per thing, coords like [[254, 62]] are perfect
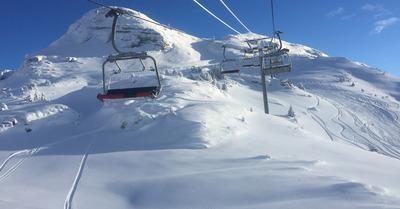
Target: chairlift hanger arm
[[273, 18], [224, 47], [153, 22], [223, 53], [114, 13], [279, 37], [248, 44]]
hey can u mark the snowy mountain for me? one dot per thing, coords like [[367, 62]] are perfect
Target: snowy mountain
[[205, 142]]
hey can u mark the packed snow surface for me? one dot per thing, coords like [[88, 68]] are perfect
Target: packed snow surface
[[205, 142]]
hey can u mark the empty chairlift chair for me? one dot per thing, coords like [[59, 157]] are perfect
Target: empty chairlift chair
[[127, 92], [276, 59], [251, 55], [228, 66]]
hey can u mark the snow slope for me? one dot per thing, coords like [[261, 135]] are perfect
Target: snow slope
[[205, 142]]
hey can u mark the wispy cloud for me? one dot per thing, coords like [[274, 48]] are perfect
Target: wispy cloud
[[347, 17], [377, 9], [339, 12], [336, 12], [382, 24]]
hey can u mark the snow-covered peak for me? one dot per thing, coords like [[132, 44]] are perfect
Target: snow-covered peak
[[303, 51], [91, 35]]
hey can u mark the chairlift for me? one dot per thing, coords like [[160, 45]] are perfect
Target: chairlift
[[228, 66], [277, 63], [276, 59], [251, 62], [252, 51], [126, 92], [251, 55]]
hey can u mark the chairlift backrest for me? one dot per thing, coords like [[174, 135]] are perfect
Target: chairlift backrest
[[126, 93]]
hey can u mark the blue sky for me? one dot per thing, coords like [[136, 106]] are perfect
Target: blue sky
[[366, 31]]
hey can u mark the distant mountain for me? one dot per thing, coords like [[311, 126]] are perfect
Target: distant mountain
[[205, 142]]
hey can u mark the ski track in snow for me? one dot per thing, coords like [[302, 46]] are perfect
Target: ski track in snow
[[316, 118], [69, 199], [372, 142], [25, 155], [68, 203], [345, 128], [380, 142], [382, 146], [28, 153]]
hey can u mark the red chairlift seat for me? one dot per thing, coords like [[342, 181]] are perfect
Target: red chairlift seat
[[129, 93], [229, 72]]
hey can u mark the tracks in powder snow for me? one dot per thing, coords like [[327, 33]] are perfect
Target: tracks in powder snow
[[23, 154], [312, 111], [376, 141], [363, 138], [68, 200], [372, 140]]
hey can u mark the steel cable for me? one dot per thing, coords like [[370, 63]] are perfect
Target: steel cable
[[234, 15], [216, 17]]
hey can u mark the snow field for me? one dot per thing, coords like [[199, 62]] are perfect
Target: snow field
[[205, 142]]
